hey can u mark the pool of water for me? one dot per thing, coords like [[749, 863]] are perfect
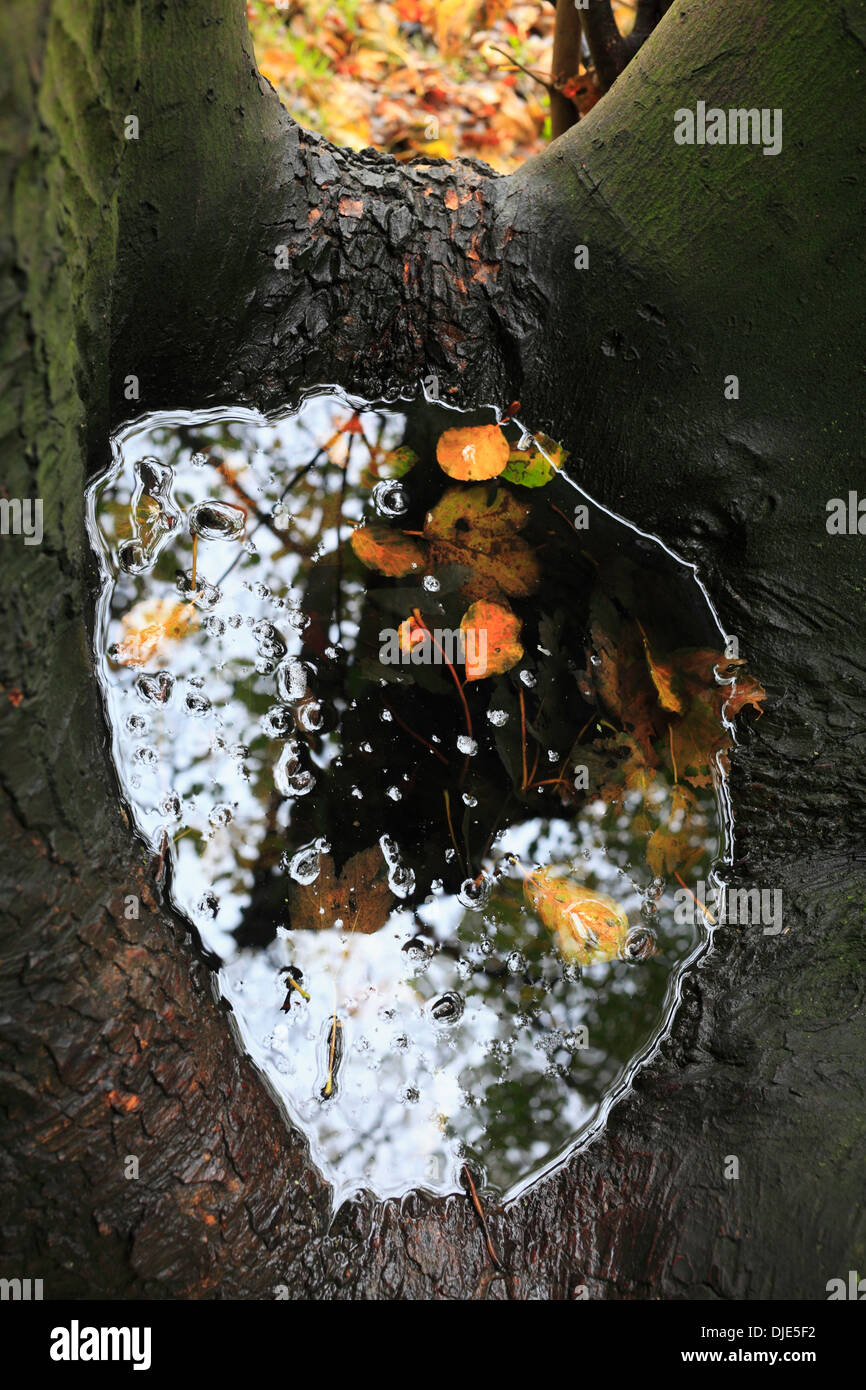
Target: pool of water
[[352, 831]]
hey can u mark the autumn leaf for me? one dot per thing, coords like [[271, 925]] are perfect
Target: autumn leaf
[[664, 678], [360, 899], [149, 627], [492, 646], [589, 926], [469, 529], [454, 21], [410, 633], [381, 548], [746, 691], [474, 453], [621, 677], [528, 468], [676, 845]]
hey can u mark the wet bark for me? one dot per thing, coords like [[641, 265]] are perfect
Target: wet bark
[[157, 258]]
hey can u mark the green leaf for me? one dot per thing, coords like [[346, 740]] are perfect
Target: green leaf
[[528, 468]]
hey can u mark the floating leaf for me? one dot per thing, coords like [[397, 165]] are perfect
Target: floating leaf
[[589, 926], [473, 454], [398, 462], [381, 548], [528, 468], [149, 626], [493, 646]]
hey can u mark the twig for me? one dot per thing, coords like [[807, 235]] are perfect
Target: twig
[[701, 905], [542, 81], [476, 1202], [451, 830], [433, 749]]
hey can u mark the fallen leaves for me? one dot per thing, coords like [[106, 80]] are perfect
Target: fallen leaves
[[528, 468], [413, 77], [467, 528], [667, 711]]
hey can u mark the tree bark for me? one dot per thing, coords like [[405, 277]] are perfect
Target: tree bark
[[157, 258]]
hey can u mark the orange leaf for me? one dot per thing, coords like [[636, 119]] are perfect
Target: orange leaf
[[492, 646], [589, 927], [149, 626], [665, 677], [389, 552], [746, 691], [474, 453]]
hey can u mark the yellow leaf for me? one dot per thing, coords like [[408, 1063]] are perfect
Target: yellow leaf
[[455, 23], [664, 676], [473, 454], [150, 626], [589, 927], [491, 634]]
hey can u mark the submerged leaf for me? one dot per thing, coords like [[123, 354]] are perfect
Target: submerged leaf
[[589, 927], [470, 529], [679, 843], [492, 644], [149, 626], [381, 548], [358, 901]]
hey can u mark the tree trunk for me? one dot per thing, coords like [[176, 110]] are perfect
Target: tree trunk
[[156, 258]]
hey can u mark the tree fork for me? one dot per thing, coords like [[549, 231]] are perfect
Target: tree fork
[[155, 258]]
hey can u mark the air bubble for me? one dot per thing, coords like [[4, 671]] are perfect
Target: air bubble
[[311, 717], [290, 778], [131, 557], [467, 745], [448, 1008], [157, 688], [217, 521], [474, 893], [220, 815], [389, 499], [196, 705], [291, 679], [528, 678], [201, 593], [306, 864], [154, 476], [269, 641], [497, 717], [278, 721]]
